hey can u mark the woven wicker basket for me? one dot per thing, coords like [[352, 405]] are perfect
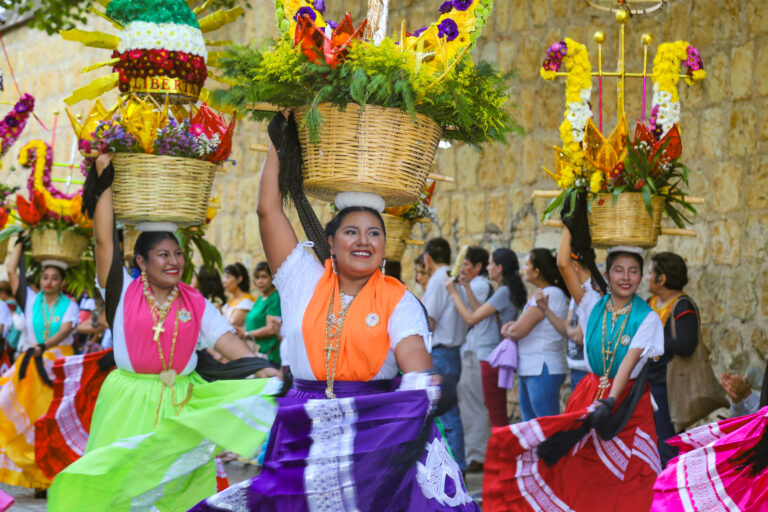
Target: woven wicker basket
[[161, 188], [3, 251], [49, 244], [625, 223], [398, 232], [376, 149]]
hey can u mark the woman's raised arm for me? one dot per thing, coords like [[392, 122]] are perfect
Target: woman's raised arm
[[103, 226], [277, 235]]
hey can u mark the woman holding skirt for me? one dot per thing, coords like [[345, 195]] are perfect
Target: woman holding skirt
[[26, 389], [601, 454], [347, 436], [157, 423]]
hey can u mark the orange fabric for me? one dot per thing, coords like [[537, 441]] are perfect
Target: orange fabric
[[665, 311], [363, 347]]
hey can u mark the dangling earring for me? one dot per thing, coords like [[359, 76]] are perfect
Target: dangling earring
[[333, 264], [384, 267], [144, 276]]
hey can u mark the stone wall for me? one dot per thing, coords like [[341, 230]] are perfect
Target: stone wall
[[725, 127]]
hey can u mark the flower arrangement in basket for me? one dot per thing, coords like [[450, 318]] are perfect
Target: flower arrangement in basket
[[163, 142], [360, 97], [58, 231], [630, 182], [14, 122]]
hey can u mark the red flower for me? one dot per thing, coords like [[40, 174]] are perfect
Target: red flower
[[318, 47], [214, 124], [3, 217], [31, 213], [640, 184]]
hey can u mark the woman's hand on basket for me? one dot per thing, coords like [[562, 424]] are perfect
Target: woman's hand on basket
[[102, 162]]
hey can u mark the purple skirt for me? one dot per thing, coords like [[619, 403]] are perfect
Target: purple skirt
[[364, 450]]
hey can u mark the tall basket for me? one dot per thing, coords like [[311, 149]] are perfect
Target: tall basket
[[373, 149], [50, 244], [156, 188], [398, 232], [627, 222]]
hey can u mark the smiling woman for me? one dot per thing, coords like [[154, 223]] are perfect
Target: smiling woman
[[348, 330], [156, 397]]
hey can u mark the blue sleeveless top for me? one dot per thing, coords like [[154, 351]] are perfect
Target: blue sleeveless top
[[594, 344]]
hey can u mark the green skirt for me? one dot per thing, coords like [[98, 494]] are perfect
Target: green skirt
[[131, 465]]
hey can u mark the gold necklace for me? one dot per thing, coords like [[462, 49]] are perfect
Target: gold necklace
[[609, 348], [48, 315], [159, 311], [333, 327]]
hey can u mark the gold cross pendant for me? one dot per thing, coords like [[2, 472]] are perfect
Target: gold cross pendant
[[159, 329]]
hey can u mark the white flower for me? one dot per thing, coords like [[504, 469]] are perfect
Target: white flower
[[143, 35], [586, 95]]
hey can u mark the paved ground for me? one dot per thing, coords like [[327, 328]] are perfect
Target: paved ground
[[25, 501]]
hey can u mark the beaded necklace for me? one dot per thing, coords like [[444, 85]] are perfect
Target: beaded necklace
[[610, 345], [333, 326], [48, 316]]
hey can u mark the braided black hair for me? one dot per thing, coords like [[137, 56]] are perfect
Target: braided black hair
[[510, 276]]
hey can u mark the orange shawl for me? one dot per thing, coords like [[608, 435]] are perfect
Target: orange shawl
[[364, 337]]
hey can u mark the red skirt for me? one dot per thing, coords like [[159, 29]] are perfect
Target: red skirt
[[595, 476], [62, 434]]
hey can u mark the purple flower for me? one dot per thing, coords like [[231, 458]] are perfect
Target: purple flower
[[462, 5], [331, 24], [448, 29], [319, 6], [419, 31], [306, 11], [446, 7]]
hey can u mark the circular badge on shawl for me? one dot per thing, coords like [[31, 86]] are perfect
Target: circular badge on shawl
[[372, 320]]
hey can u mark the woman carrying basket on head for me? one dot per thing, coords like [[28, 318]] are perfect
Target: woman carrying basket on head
[[157, 423], [26, 390], [601, 453], [344, 439]]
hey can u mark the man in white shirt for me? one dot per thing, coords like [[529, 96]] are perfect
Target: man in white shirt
[[448, 330], [474, 414]]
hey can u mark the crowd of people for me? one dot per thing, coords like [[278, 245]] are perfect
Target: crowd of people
[[389, 398]]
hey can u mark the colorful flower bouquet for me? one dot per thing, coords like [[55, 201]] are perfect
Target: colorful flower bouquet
[[427, 72], [401, 95], [647, 169], [57, 229]]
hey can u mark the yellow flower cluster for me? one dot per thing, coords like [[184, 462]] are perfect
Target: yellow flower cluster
[[61, 206], [435, 53], [291, 7], [666, 66], [579, 71]]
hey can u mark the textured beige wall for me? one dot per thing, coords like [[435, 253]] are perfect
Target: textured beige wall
[[725, 128]]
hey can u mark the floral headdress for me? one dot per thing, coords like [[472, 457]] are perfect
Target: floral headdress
[[590, 162]]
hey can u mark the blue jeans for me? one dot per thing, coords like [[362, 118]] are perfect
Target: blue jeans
[[447, 361], [576, 376], [540, 394]]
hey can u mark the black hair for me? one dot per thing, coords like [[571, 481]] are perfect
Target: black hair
[[419, 260], [510, 276], [439, 250], [60, 270], [335, 223], [673, 267], [5, 287], [148, 240], [477, 255], [612, 257], [544, 261], [209, 285], [262, 266], [585, 256], [237, 269], [393, 269]]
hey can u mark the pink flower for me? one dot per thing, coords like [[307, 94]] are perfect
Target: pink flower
[[196, 129]]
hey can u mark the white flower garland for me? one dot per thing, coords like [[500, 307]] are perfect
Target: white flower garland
[[143, 35]]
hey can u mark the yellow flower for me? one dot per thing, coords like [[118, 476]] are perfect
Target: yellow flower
[[546, 74], [595, 182]]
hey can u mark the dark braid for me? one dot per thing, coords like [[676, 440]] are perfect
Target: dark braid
[[114, 288], [284, 134], [574, 217]]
